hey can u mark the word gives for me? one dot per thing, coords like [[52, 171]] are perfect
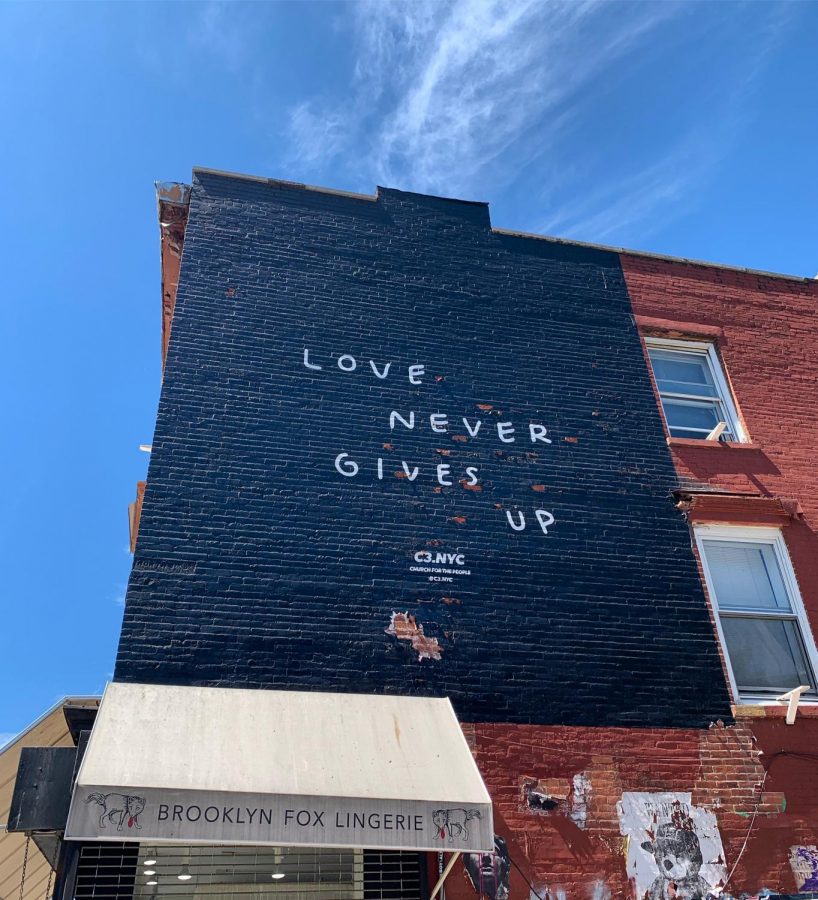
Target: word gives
[[349, 468], [439, 423], [347, 363], [310, 818], [543, 517]]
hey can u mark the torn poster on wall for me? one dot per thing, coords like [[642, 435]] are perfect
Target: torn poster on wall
[[489, 872], [804, 862], [673, 849]]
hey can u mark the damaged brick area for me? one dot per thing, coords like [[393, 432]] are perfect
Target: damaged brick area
[[558, 795], [405, 628]]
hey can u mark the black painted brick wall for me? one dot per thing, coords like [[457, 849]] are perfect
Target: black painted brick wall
[[258, 564]]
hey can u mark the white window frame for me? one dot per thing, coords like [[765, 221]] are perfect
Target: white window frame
[[725, 395], [774, 538]]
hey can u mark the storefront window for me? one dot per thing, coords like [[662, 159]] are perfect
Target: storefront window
[[148, 872]]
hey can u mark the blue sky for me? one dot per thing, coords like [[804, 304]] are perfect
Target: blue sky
[[686, 129]]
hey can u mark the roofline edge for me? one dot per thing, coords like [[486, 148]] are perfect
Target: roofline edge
[[645, 254]]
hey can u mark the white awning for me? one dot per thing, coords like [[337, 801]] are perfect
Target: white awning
[[235, 766]]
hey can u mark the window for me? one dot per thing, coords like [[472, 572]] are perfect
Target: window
[[758, 609], [694, 394]]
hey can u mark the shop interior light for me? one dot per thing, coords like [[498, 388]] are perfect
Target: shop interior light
[[149, 872], [277, 875], [150, 858], [184, 875], [151, 881]]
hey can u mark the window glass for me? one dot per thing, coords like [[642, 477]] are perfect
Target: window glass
[[746, 576], [677, 372], [762, 625], [687, 418], [766, 654], [692, 390]]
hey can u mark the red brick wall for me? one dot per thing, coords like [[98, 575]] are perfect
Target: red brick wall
[[721, 767], [766, 332]]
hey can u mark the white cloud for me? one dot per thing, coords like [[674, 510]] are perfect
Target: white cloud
[[217, 28], [615, 208], [119, 594], [626, 207], [489, 85], [476, 98], [455, 98], [315, 136]]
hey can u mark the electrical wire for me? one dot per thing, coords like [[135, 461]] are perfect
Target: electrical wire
[[530, 885], [795, 753], [749, 828]]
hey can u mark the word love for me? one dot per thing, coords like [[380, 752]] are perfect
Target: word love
[[348, 363], [439, 423]]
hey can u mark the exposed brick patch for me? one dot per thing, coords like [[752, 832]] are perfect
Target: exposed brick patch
[[405, 628], [135, 514]]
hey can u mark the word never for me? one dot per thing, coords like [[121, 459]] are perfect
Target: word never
[[347, 363], [439, 423]]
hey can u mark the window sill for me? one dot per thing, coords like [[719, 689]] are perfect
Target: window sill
[[773, 709], [701, 443]]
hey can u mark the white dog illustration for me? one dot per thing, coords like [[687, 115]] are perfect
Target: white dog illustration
[[118, 808], [454, 822]]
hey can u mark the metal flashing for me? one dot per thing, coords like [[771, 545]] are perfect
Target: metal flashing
[[433, 196], [90, 700], [173, 192], [280, 182], [646, 254]]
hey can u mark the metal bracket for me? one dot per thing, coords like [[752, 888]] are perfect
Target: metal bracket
[[793, 697], [715, 434]]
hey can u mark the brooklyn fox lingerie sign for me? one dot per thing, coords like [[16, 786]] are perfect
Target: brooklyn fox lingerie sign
[[161, 815]]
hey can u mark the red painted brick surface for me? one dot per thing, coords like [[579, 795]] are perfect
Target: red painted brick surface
[[768, 346], [721, 767], [769, 350]]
